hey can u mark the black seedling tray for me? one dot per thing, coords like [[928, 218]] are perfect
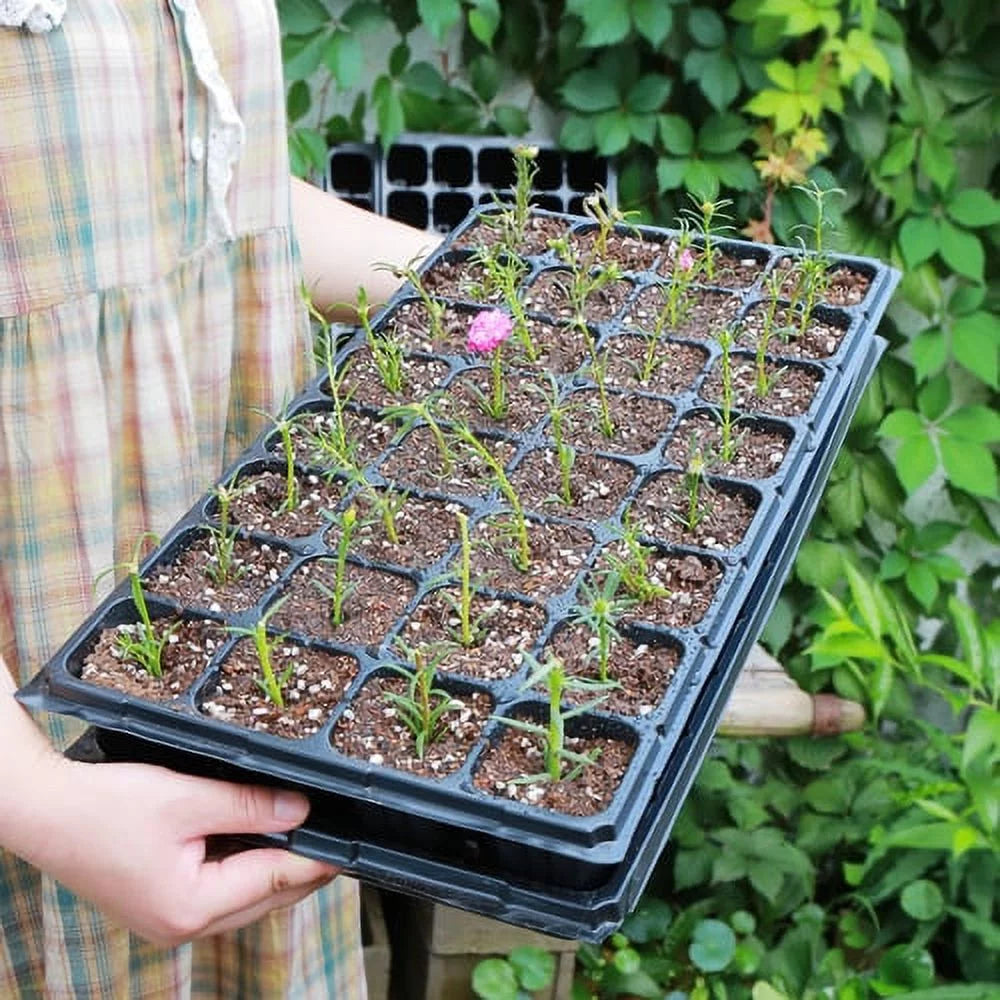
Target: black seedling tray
[[443, 838], [432, 181]]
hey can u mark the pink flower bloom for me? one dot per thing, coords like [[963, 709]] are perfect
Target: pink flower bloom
[[488, 329], [686, 260]]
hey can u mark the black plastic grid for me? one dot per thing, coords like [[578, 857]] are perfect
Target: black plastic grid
[[433, 181], [366, 809]]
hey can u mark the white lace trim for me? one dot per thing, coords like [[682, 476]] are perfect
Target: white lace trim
[[35, 15], [225, 131]]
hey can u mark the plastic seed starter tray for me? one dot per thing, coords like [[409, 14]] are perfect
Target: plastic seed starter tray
[[444, 838]]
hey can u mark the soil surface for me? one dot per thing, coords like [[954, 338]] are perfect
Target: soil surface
[[502, 630], [758, 452], [374, 600], [701, 314], [672, 367], [190, 646], [316, 682], [517, 754], [718, 518], [597, 485], [370, 728], [640, 671], [790, 388], [639, 422], [189, 579], [549, 294]]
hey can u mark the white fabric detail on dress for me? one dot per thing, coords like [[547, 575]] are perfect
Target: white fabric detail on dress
[[225, 133], [35, 15]]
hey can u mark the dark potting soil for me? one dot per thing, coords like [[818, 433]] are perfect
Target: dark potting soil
[[190, 646], [370, 728], [316, 681], [790, 392], [502, 630], [758, 453]]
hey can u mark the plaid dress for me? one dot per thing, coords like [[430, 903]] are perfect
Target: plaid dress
[[149, 301]]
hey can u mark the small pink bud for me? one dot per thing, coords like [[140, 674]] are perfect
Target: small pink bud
[[488, 329], [686, 260]]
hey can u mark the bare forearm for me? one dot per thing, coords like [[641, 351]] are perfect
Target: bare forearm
[[342, 247], [31, 769]]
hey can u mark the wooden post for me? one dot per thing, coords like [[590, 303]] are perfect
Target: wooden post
[[767, 702]]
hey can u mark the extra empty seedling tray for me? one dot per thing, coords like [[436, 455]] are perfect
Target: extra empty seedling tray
[[671, 414]]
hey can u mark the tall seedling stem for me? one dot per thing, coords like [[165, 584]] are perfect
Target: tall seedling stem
[[522, 556]]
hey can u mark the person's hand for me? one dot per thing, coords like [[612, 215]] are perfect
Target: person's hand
[[132, 839]]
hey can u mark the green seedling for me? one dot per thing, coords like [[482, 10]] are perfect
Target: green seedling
[[386, 505], [386, 350], [144, 646], [284, 425], [709, 219], [422, 709], [633, 568], [727, 419], [522, 553], [813, 268], [694, 480], [467, 632], [222, 567], [600, 611], [435, 308], [763, 381], [599, 208], [341, 591], [553, 735], [270, 682], [410, 415]]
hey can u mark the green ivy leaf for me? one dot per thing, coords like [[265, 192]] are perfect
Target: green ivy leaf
[[302, 55], [649, 94], [937, 161], [929, 350], [974, 422], [900, 154], [649, 921], [919, 239], [922, 583], [866, 133], [677, 135], [303, 17], [975, 342], [484, 19], [606, 22], [577, 133], [713, 944], [723, 133], [716, 74], [307, 151], [974, 207], [961, 250], [934, 397], [512, 119], [706, 27], [915, 461], [901, 424], [344, 57], [969, 466], [388, 110], [494, 979], [535, 967], [653, 20], [439, 16], [736, 171], [590, 90], [612, 132], [701, 180], [299, 100]]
